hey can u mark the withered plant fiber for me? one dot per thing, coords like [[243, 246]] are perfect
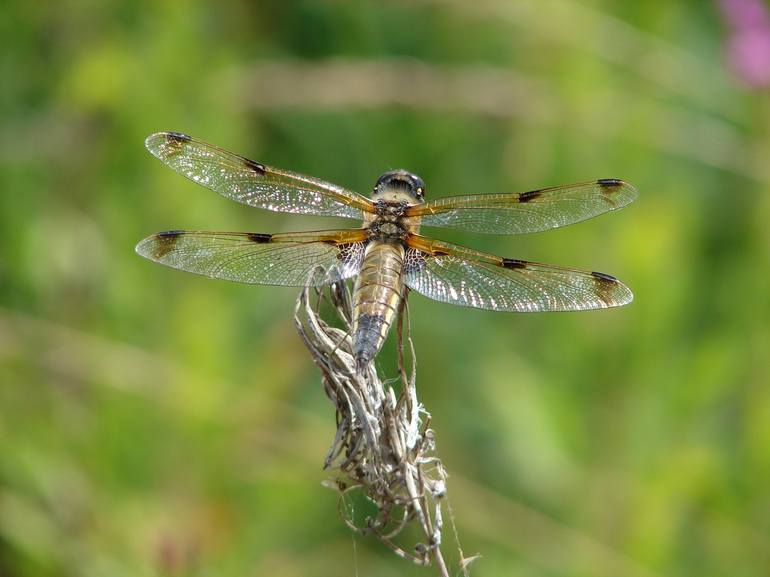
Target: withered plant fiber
[[384, 448]]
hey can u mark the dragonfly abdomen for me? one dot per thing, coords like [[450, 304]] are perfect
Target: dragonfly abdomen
[[377, 297]]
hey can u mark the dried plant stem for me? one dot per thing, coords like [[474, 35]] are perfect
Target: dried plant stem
[[383, 448]]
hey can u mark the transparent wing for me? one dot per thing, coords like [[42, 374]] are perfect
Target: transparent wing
[[526, 212], [461, 276], [252, 183], [290, 259]]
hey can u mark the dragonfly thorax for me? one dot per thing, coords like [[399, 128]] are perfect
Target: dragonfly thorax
[[388, 224]]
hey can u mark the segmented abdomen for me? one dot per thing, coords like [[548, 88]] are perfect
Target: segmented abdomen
[[377, 297]]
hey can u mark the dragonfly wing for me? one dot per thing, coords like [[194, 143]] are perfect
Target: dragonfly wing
[[533, 211], [253, 183], [289, 259], [454, 274]]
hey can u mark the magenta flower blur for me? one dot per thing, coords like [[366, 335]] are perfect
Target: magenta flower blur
[[748, 47]]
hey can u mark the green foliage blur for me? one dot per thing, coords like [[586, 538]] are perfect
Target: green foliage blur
[[158, 423]]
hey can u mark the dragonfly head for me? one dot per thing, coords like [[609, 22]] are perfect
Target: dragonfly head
[[398, 185]]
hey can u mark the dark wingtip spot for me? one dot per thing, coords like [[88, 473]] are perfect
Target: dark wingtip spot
[[177, 137], [255, 166], [610, 183], [605, 285], [166, 242], [169, 233], [531, 195], [514, 263], [604, 277], [260, 238]]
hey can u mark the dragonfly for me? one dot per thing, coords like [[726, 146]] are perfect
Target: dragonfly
[[386, 254]]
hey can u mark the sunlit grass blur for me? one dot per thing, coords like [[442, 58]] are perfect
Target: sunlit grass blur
[[159, 423]]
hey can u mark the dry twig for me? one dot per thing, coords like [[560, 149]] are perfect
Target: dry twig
[[384, 448]]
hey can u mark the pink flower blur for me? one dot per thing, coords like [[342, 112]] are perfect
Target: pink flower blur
[[749, 45]]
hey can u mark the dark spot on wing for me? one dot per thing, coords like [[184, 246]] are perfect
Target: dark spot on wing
[[259, 237], [439, 252], [605, 277], [345, 251], [513, 263], [605, 285], [166, 241], [610, 184], [177, 137], [255, 166], [531, 195]]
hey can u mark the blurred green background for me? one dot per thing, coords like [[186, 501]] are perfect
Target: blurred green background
[[158, 423]]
